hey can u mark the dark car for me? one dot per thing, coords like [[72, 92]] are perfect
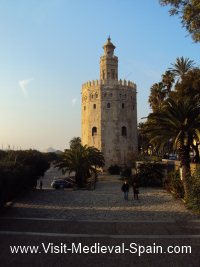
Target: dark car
[[172, 157], [61, 184]]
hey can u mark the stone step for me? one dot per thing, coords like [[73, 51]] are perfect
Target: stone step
[[40, 225]]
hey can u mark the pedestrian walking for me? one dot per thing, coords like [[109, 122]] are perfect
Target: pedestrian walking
[[41, 184], [125, 189], [135, 190]]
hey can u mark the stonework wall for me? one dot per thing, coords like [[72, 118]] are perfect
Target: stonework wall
[[115, 107], [119, 147], [91, 115]]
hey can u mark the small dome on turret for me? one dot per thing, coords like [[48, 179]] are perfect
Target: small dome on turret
[[109, 43], [109, 48]]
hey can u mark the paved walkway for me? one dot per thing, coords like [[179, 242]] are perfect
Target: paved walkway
[[105, 203]]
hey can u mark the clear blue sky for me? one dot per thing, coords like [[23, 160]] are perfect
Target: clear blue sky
[[48, 48]]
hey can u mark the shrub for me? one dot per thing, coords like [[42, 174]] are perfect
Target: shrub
[[114, 170], [150, 174], [194, 196], [19, 171], [174, 183]]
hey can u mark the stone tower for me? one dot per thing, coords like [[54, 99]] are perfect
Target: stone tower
[[109, 112]]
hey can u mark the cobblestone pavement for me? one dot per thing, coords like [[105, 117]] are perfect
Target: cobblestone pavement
[[105, 203], [102, 217]]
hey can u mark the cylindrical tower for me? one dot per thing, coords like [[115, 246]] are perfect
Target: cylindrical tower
[[109, 112]]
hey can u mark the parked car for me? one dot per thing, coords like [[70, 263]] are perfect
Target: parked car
[[172, 157], [61, 184]]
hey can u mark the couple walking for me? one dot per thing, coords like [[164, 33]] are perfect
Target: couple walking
[[125, 189]]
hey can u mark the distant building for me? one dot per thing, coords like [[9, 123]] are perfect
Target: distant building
[[109, 112]]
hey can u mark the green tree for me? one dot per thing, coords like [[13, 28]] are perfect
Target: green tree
[[181, 67], [75, 142], [157, 96], [143, 141], [168, 80], [82, 160], [189, 90], [189, 13], [178, 121], [189, 87]]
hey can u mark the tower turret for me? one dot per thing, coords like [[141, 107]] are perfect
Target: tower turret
[[109, 63], [109, 48]]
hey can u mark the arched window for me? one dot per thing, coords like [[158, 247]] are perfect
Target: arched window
[[124, 131], [122, 105], [94, 106], [94, 131], [108, 105], [84, 107]]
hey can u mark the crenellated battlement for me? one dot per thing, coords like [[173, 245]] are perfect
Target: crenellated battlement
[[90, 84], [122, 83], [125, 83]]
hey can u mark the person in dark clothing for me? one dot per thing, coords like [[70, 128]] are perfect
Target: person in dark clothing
[[135, 190], [125, 189]]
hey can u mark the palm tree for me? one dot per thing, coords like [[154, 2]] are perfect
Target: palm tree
[[143, 141], [74, 142], [83, 160], [168, 80], [182, 66], [157, 96], [178, 121]]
